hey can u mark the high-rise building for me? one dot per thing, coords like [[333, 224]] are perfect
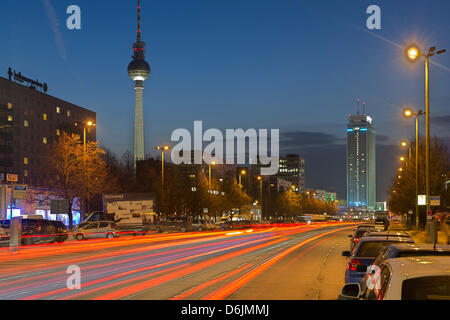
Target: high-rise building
[[292, 169], [139, 71], [361, 162], [30, 121]]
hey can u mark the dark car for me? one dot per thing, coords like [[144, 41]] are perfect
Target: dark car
[[61, 233], [39, 231], [364, 255], [35, 231], [359, 233], [180, 226]]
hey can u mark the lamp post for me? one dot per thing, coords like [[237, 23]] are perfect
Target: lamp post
[[162, 149], [242, 172], [260, 193], [413, 53], [408, 113], [212, 163], [86, 124]]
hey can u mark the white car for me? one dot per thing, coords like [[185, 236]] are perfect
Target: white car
[[97, 229], [409, 278]]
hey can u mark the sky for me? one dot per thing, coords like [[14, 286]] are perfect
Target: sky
[[293, 65]]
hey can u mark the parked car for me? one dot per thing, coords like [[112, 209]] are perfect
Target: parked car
[[400, 234], [381, 224], [97, 229], [4, 229], [364, 254], [407, 278], [204, 225], [405, 250], [177, 226], [61, 231], [359, 233]]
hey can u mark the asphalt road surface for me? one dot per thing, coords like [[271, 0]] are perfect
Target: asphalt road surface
[[293, 262]]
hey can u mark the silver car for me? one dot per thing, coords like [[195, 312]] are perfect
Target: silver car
[[97, 229]]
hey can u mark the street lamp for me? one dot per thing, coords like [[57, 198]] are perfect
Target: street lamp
[[242, 172], [162, 149], [260, 192], [413, 54], [212, 163], [408, 113]]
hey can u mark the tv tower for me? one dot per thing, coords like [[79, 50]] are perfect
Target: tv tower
[[139, 71]]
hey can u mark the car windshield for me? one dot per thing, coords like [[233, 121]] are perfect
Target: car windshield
[[426, 288], [371, 248]]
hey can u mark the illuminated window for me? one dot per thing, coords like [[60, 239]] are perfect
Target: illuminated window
[[58, 110], [25, 160], [25, 173], [9, 105], [10, 118], [44, 140], [25, 123], [44, 116], [58, 132], [68, 113]]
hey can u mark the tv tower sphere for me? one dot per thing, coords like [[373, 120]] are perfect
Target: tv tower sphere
[[139, 69]]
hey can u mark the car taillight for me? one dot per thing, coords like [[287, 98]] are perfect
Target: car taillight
[[352, 265]]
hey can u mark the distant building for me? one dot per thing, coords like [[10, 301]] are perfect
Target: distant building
[[292, 169], [361, 162], [30, 120]]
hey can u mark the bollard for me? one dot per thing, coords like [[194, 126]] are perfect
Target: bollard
[[15, 234], [432, 231]]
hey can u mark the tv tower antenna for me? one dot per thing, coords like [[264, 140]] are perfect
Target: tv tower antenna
[[357, 106], [364, 108]]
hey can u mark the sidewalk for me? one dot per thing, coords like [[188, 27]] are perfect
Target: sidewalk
[[419, 236], [422, 237]]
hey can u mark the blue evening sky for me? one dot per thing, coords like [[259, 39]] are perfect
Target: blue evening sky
[[289, 64]]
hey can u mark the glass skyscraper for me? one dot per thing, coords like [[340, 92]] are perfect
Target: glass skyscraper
[[361, 162]]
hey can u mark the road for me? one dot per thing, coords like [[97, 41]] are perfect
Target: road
[[291, 262]]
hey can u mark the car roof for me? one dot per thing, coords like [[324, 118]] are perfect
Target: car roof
[[389, 233], [384, 238], [413, 267], [403, 247]]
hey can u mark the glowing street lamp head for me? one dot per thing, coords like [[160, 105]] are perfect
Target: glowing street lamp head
[[413, 53], [402, 158], [408, 113], [243, 172], [404, 144]]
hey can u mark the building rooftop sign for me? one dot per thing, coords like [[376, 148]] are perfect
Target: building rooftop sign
[[20, 78]]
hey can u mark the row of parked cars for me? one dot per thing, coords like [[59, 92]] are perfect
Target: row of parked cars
[[388, 265]]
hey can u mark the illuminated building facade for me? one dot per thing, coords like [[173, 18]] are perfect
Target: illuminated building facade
[[361, 162]]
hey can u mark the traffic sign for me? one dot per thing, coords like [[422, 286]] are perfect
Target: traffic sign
[[12, 177], [435, 201], [20, 191], [429, 215], [422, 200]]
